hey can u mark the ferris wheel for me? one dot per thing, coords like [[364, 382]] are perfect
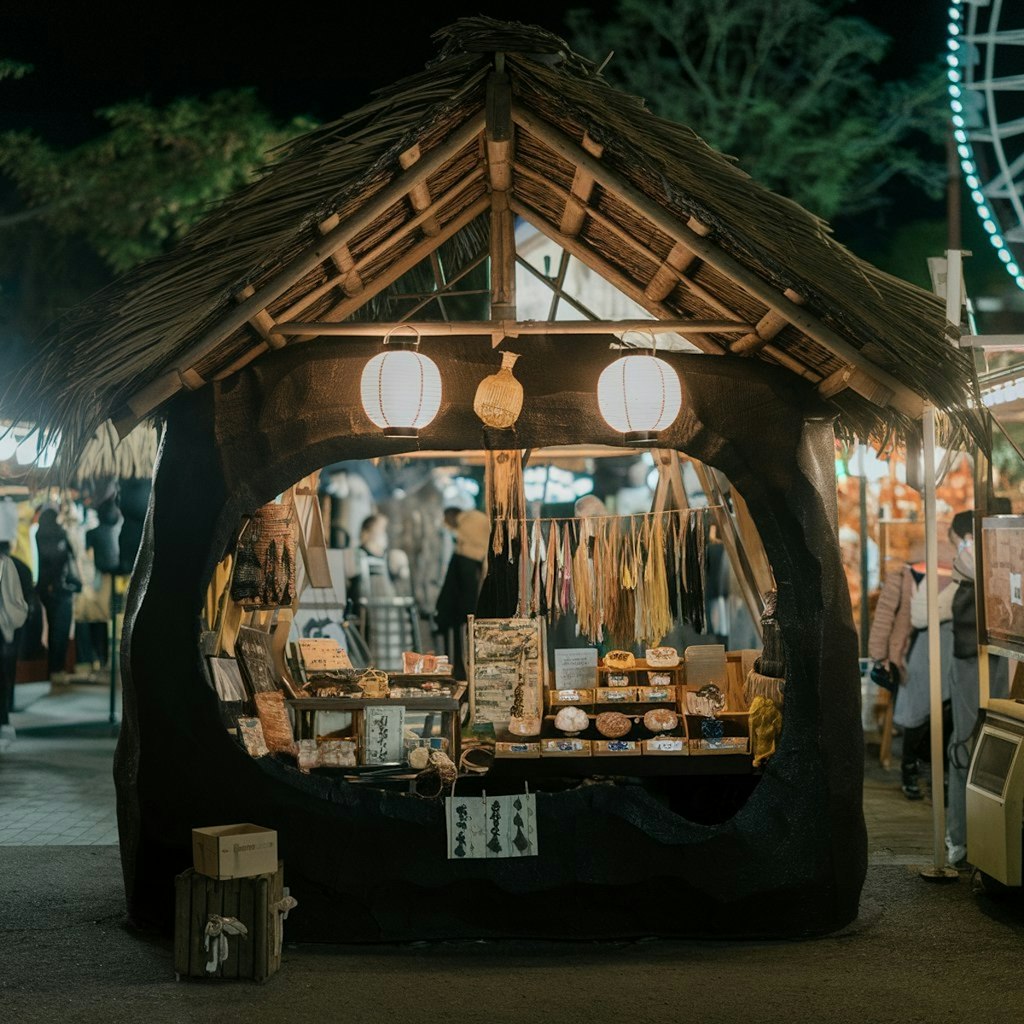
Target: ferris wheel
[[986, 89]]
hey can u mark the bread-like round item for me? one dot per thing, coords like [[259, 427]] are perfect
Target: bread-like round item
[[661, 720], [662, 657], [619, 660], [613, 724], [572, 720]]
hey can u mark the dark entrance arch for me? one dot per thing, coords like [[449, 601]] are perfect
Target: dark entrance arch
[[613, 861]]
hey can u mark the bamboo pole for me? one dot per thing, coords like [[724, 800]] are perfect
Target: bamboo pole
[[498, 139], [511, 328], [904, 398]]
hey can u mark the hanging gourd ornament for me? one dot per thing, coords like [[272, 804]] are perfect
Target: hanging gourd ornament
[[499, 398]]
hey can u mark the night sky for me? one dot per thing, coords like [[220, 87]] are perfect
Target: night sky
[[302, 58]]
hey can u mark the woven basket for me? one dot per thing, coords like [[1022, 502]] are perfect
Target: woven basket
[[499, 398], [265, 568]]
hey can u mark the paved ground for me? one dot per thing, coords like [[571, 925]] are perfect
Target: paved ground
[[918, 953]]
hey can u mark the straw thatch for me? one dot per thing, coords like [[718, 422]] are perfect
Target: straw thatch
[[669, 220]]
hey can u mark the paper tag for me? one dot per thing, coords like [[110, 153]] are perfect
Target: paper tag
[[568, 696], [1016, 597], [466, 828]]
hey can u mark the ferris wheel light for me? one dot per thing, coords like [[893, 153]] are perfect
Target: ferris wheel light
[[989, 226], [972, 182], [1005, 256], [954, 45], [954, 91], [984, 212], [954, 13], [968, 166], [953, 75], [963, 151], [952, 60], [1013, 269], [977, 197], [996, 241], [960, 135]]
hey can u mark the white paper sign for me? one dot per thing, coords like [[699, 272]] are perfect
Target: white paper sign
[[1016, 597], [575, 668], [466, 828], [384, 728]]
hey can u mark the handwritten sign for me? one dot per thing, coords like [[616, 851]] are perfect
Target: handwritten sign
[[575, 668], [383, 729], [492, 826], [499, 651]]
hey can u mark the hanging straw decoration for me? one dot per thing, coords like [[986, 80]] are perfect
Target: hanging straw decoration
[[506, 498], [499, 397], [767, 678]]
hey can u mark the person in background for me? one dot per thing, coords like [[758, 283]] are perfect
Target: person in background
[[16, 593], [965, 693], [379, 571], [461, 587], [57, 585], [902, 648]]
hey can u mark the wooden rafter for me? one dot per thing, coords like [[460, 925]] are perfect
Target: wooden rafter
[[666, 267], [381, 248], [419, 194], [350, 281], [599, 265], [575, 212], [447, 290], [665, 278], [170, 381], [262, 322], [903, 397], [765, 329], [414, 256]]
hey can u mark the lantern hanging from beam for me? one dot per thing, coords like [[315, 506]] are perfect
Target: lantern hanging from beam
[[401, 388], [639, 396]]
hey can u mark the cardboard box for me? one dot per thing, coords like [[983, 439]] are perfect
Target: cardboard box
[[234, 851]]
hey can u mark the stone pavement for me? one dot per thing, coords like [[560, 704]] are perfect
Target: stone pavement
[[56, 782]]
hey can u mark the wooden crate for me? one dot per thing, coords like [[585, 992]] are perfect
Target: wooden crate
[[252, 900]]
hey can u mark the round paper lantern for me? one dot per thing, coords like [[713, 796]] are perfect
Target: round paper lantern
[[639, 395], [401, 390]]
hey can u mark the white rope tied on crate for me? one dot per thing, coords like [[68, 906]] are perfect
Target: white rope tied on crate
[[215, 940], [280, 910]]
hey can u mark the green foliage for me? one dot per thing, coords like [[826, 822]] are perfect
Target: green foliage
[[135, 190], [785, 86]]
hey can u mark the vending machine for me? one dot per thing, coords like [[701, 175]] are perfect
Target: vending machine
[[995, 794]]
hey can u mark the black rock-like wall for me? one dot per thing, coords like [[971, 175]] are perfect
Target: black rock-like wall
[[614, 861]]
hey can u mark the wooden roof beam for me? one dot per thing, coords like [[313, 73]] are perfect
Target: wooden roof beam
[[378, 250], [168, 383], [262, 322], [599, 265], [854, 378], [904, 398], [512, 328], [766, 328], [665, 278], [402, 266], [419, 194], [498, 138], [350, 281], [624, 236], [575, 212]]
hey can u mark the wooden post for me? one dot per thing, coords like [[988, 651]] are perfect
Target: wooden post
[[498, 136]]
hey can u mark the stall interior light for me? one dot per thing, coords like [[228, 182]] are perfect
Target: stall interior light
[[401, 388], [639, 395], [20, 443], [1001, 394]]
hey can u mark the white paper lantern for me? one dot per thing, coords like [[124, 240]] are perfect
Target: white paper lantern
[[639, 395], [401, 390]]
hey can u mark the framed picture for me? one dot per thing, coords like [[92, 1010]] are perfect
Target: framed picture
[[256, 660], [227, 679], [501, 653]]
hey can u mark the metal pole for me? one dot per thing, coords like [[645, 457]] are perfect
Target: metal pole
[[863, 488], [938, 870]]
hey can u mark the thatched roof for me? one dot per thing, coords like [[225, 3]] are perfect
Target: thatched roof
[[348, 212]]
